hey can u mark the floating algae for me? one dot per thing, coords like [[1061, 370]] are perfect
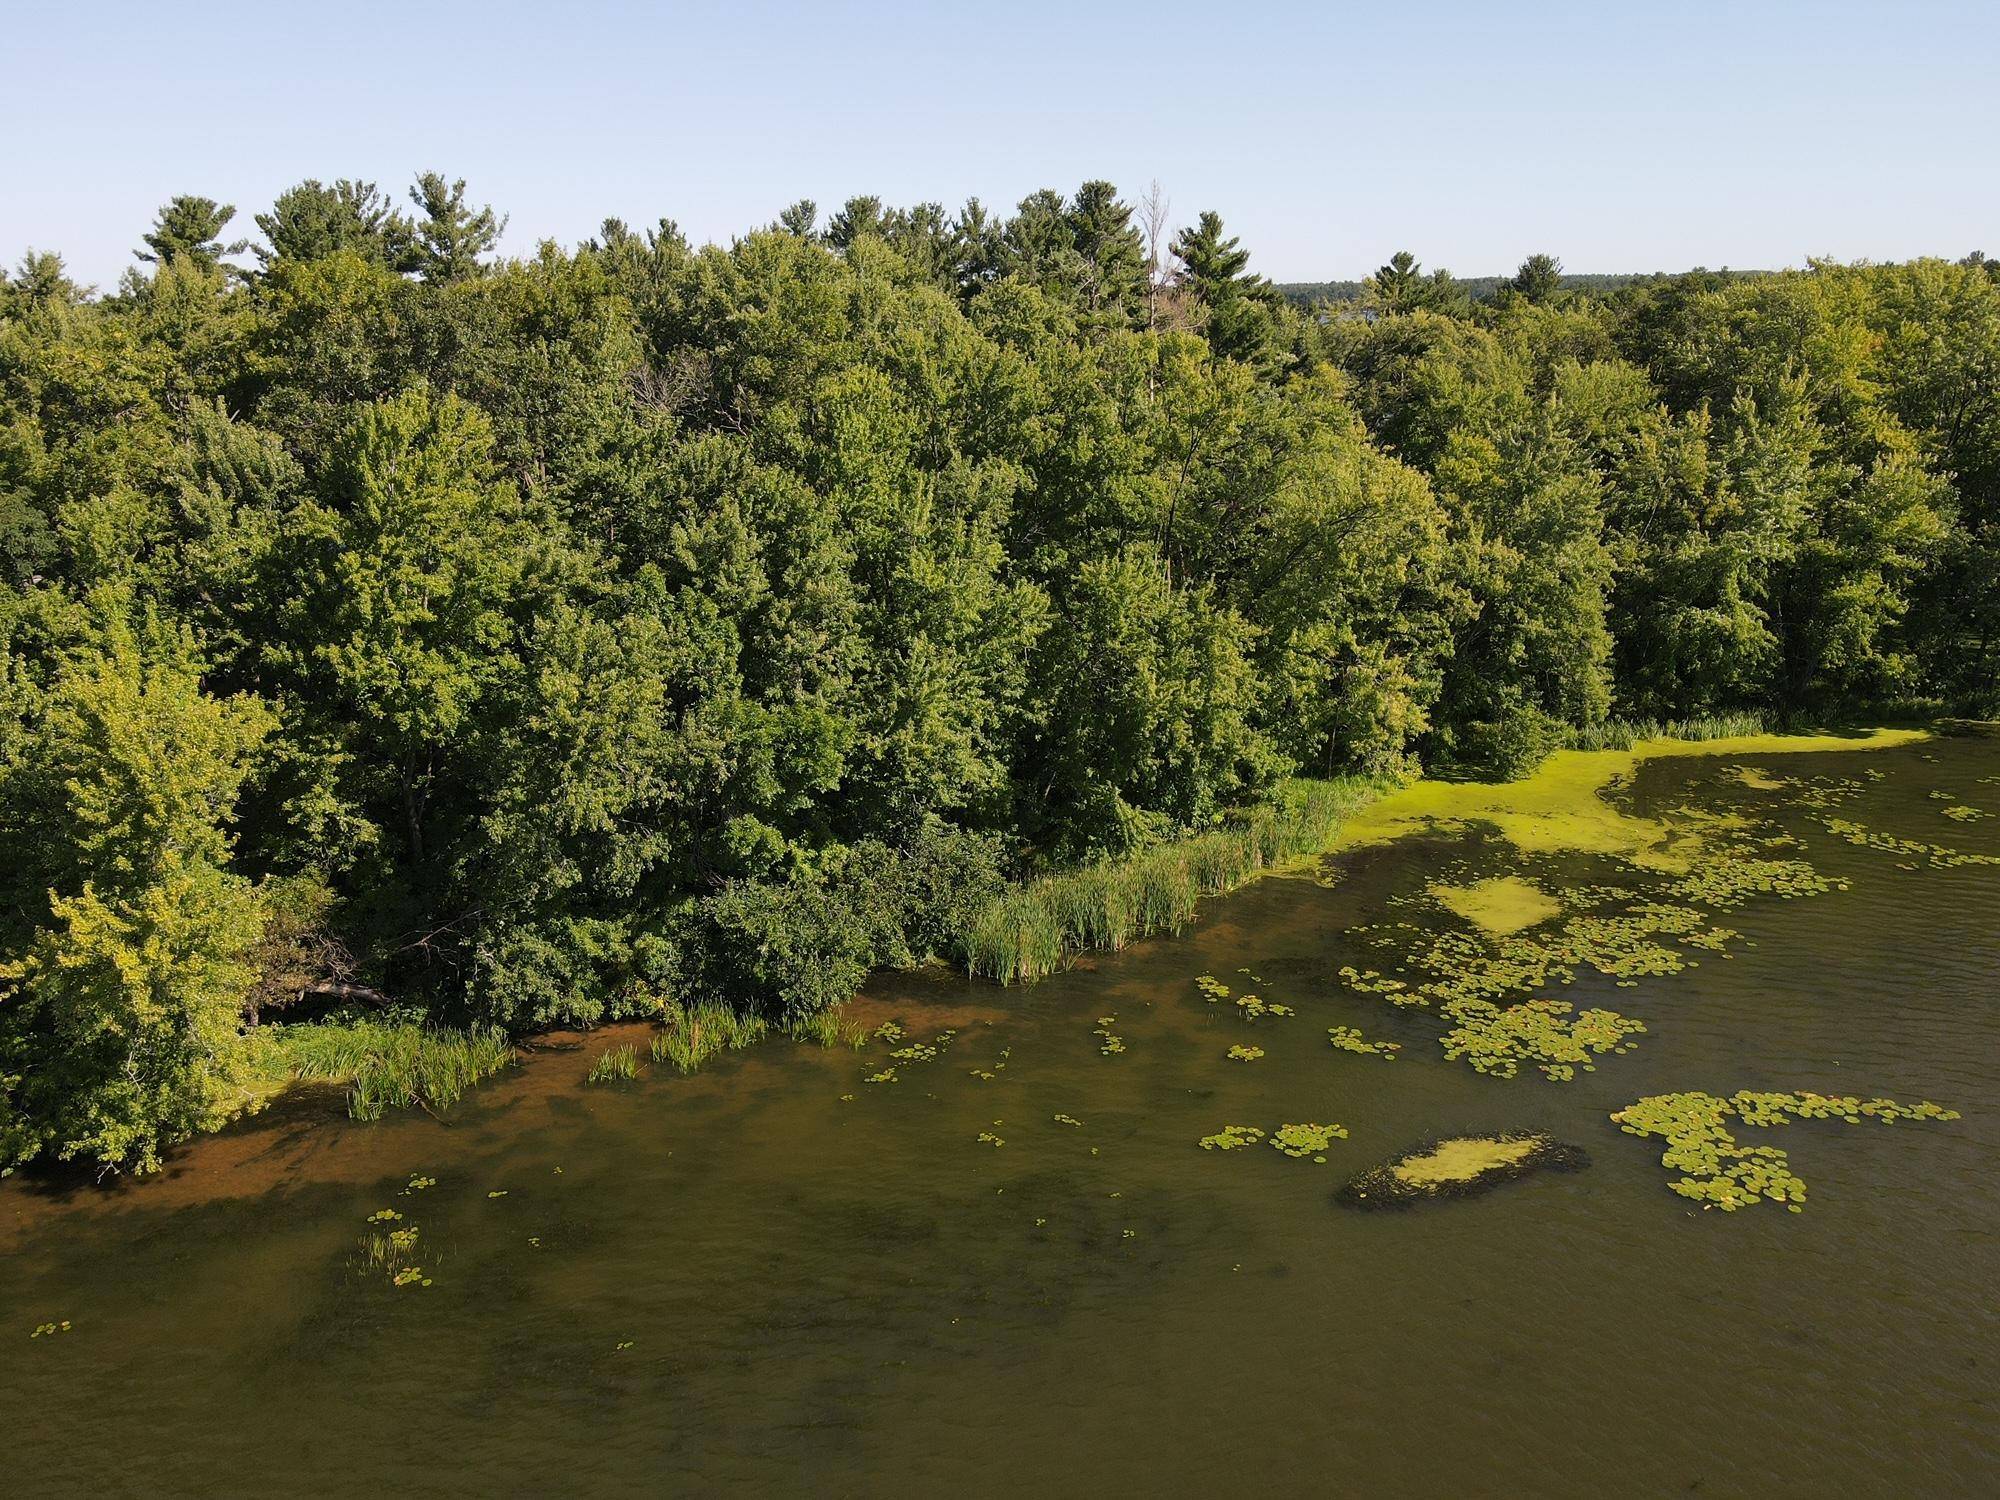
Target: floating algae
[[1717, 1171], [1502, 905], [1756, 780], [1488, 980], [1459, 1166], [1561, 808]]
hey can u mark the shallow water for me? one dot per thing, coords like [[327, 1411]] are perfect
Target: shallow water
[[833, 1287]]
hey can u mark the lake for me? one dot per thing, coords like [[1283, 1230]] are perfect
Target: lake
[[1012, 1268]]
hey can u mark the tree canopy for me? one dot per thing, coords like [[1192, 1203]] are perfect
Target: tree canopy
[[561, 637]]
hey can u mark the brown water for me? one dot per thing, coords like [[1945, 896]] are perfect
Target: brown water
[[829, 1287]]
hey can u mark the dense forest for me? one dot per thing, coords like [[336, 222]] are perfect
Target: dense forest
[[535, 642]]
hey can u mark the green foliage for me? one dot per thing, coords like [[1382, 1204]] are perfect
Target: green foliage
[[386, 1064], [640, 630], [1028, 932], [614, 1065]]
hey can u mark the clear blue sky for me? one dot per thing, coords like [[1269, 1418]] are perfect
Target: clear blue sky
[[1617, 136]]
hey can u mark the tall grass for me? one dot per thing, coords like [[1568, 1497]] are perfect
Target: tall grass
[[614, 1065], [1623, 734], [827, 1028], [690, 1036], [1028, 932], [388, 1064]]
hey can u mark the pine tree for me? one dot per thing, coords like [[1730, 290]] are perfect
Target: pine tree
[[450, 237], [191, 228], [1537, 281], [314, 220], [1237, 304]]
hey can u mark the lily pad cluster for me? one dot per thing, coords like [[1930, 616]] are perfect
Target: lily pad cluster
[[1256, 1007], [1348, 1039], [1303, 1140], [1245, 1054], [1939, 856], [393, 1253], [1369, 982], [1109, 1042], [1230, 1137], [1298, 1140], [914, 1052], [1720, 1172], [1498, 1039]]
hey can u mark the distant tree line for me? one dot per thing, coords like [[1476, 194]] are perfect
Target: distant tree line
[[1309, 295], [547, 640]]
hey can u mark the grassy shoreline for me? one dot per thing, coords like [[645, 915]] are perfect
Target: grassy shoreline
[[1030, 931], [1037, 928]]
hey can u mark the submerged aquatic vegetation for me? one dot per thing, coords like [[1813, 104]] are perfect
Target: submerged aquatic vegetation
[[1231, 1137], [1307, 1139], [1719, 1172], [1347, 1039], [1458, 1166], [1245, 1054], [614, 1064]]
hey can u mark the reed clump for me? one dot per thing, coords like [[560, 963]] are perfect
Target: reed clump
[[1623, 734], [388, 1064], [690, 1035], [1030, 931], [615, 1065]]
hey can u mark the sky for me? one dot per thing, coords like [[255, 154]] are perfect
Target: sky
[[1619, 137]]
